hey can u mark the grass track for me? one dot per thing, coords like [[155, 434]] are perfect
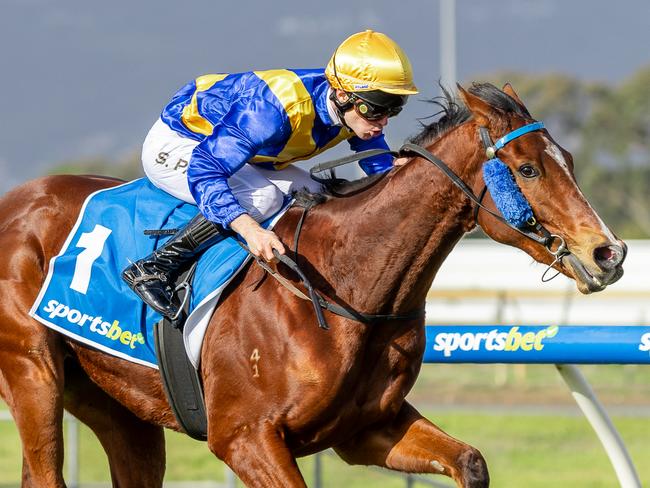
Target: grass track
[[522, 449]]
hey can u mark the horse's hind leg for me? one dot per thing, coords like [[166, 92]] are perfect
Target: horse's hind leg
[[31, 382], [135, 448]]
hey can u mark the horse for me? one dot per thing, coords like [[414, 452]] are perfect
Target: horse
[[276, 386]]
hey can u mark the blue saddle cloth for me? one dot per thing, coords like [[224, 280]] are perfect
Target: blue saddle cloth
[[83, 295]]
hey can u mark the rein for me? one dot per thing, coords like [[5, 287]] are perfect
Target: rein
[[316, 298], [319, 168], [532, 231]]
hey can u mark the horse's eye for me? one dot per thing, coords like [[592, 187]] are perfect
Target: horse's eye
[[528, 171]]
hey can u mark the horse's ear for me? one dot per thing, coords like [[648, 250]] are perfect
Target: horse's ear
[[510, 91], [480, 109]]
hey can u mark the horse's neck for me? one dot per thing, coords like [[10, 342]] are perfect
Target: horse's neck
[[383, 249]]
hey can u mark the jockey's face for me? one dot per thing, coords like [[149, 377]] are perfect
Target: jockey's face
[[362, 127]]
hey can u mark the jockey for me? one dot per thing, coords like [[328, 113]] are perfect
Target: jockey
[[226, 142]]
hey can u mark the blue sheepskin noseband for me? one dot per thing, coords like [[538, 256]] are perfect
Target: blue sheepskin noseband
[[506, 194]]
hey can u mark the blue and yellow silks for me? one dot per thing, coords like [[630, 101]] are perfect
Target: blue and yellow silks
[[271, 118]]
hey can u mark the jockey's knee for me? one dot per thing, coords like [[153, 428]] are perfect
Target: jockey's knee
[[263, 202]]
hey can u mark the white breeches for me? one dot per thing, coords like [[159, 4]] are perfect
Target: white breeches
[[166, 155]]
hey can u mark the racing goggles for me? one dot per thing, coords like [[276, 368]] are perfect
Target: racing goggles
[[375, 105]]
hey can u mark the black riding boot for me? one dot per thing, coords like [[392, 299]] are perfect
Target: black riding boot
[[151, 278]]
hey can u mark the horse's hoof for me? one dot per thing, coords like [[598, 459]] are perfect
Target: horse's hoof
[[474, 470]]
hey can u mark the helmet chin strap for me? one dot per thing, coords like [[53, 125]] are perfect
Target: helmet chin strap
[[341, 107]]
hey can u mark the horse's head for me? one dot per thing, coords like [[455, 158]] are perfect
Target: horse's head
[[543, 171]]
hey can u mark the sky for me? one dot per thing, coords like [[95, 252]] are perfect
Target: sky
[[86, 79]]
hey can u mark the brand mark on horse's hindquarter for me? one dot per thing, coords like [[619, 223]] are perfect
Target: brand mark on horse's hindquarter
[[255, 357]]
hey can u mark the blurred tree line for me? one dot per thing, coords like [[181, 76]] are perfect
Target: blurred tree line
[[128, 168], [606, 128]]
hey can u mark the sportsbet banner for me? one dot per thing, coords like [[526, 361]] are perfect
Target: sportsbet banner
[[538, 344]]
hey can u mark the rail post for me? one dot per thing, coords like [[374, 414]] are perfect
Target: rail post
[[72, 451], [602, 425]]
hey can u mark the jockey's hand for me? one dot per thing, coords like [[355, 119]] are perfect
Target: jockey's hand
[[260, 241]]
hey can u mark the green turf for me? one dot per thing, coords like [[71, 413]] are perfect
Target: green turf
[[522, 450]]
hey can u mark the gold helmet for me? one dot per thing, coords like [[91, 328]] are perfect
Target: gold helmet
[[370, 61]]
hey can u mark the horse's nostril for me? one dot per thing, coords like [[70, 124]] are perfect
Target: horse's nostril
[[610, 256]]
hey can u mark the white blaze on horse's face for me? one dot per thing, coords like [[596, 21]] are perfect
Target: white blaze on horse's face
[[553, 151], [556, 154]]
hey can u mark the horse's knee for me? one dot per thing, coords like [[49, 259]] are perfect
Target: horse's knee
[[473, 469]]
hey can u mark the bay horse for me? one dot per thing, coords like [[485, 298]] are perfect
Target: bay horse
[[276, 386]]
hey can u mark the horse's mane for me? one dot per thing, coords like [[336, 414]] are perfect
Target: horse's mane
[[335, 188], [455, 113], [306, 199], [452, 114]]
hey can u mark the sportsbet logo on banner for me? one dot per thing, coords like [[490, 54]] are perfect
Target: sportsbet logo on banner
[[494, 340], [645, 343]]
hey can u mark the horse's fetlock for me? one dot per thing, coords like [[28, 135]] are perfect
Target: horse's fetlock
[[473, 469]]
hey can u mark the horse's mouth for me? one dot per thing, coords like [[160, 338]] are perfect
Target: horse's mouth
[[588, 282]]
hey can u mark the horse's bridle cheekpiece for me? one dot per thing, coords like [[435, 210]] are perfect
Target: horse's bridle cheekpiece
[[502, 178], [531, 222]]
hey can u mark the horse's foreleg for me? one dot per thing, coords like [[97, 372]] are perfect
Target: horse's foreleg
[[259, 456], [413, 444], [135, 448]]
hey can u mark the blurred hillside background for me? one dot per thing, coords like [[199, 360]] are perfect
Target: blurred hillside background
[[84, 81]]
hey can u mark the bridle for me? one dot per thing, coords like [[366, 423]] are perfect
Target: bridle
[[532, 230], [547, 239]]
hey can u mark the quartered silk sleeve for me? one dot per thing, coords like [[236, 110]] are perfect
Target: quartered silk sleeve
[[248, 126], [376, 164]]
